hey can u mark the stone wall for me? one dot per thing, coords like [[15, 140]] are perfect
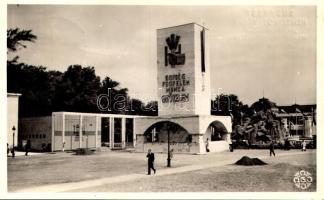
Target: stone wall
[[193, 148], [218, 146], [163, 147]]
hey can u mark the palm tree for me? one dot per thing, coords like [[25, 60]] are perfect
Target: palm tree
[[109, 83], [16, 37]]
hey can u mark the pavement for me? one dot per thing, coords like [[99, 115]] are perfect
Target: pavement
[[22, 153], [195, 160]]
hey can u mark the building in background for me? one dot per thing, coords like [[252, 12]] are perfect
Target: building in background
[[73, 130], [299, 120], [12, 118]]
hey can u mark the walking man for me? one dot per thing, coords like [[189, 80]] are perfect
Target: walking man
[[271, 147], [150, 163], [287, 144], [27, 147]]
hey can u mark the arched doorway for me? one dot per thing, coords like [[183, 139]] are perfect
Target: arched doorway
[[218, 136], [158, 133], [156, 138], [216, 131]]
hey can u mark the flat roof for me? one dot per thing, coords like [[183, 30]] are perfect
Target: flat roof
[[290, 114], [97, 114], [13, 94], [183, 25]]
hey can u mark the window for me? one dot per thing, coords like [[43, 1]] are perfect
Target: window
[[76, 129]]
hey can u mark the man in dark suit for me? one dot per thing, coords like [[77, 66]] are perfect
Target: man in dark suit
[[150, 160], [27, 147]]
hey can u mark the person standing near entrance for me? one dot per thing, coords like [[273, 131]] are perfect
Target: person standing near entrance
[[303, 145], [27, 147], [207, 145], [171, 153], [271, 148], [150, 160]]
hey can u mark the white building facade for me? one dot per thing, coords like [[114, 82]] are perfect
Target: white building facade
[[12, 118], [73, 130]]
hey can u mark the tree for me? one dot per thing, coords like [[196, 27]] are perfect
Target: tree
[[151, 108], [118, 97], [17, 37], [77, 90], [263, 104], [230, 105], [136, 107], [36, 85]]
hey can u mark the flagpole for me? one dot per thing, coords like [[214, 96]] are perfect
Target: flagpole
[[296, 123], [296, 115]]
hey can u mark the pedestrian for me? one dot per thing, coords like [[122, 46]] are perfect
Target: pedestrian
[[304, 145], [171, 153], [8, 150], [287, 144], [207, 145], [150, 162], [63, 146], [271, 148], [27, 147], [231, 147], [43, 147]]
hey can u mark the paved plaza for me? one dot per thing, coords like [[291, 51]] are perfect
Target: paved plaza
[[120, 171]]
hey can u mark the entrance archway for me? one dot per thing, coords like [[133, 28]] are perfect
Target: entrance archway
[[218, 137], [216, 131], [158, 132]]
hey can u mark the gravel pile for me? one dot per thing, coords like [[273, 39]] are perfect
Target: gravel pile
[[245, 160]]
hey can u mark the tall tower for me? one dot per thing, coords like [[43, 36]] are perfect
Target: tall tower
[[183, 70], [184, 122]]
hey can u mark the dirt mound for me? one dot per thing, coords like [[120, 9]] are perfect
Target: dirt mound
[[245, 160], [257, 161]]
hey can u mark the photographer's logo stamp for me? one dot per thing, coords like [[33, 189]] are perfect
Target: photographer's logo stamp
[[303, 179]]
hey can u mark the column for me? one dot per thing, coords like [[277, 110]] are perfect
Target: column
[[134, 133], [53, 132], [111, 132], [80, 131], [123, 132], [202, 145], [198, 144], [63, 132], [96, 132]]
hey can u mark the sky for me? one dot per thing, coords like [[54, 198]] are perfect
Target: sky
[[254, 51]]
